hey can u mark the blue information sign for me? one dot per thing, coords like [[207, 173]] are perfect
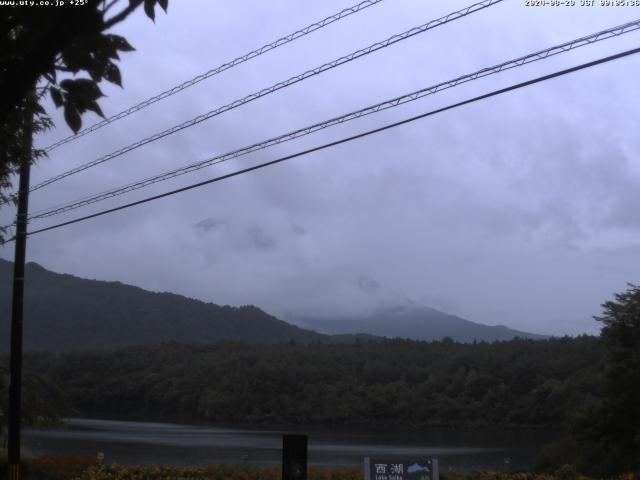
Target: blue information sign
[[400, 469]]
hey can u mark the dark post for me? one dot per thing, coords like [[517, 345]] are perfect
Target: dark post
[[15, 387], [294, 457]]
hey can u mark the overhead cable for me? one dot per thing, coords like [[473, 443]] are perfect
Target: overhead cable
[[347, 139], [278, 86], [509, 64], [219, 69]]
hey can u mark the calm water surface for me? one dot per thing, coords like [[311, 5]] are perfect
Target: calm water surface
[[150, 443]]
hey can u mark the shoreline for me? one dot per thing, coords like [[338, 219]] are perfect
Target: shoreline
[[390, 425]]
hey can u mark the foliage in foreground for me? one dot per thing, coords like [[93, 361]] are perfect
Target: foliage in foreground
[[607, 432], [43, 49], [118, 472], [247, 472], [213, 472], [44, 401], [79, 467], [563, 473], [50, 467]]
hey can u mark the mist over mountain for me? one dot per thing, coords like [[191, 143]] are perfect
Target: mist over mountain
[[416, 322], [390, 314], [64, 312]]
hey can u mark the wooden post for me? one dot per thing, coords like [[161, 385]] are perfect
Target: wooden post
[[294, 457], [15, 365]]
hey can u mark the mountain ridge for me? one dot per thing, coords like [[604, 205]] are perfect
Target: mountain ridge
[[417, 322], [64, 312]]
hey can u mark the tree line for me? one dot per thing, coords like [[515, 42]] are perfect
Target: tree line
[[519, 382], [587, 386]]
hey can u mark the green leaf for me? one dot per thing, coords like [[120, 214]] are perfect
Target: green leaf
[[149, 9], [164, 4], [94, 107], [67, 84], [99, 67], [112, 74], [81, 95], [77, 57], [83, 90], [120, 43], [103, 46], [72, 117], [107, 51], [39, 109], [56, 96], [95, 73]]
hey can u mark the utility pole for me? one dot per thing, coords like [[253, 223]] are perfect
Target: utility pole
[[15, 365]]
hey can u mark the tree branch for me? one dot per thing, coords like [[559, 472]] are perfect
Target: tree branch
[[106, 8], [122, 15]]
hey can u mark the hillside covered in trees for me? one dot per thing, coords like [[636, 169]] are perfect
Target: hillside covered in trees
[[65, 313], [520, 382]]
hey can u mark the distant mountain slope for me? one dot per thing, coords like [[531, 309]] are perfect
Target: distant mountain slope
[[64, 312], [416, 322]]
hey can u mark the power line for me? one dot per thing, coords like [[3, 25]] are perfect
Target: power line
[[348, 139], [523, 60], [278, 86], [219, 69]]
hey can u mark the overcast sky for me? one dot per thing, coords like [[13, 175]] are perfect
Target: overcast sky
[[521, 210]]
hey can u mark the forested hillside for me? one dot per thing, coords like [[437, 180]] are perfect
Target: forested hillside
[[389, 382], [64, 312]]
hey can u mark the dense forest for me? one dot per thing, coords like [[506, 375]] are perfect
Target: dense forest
[[519, 382], [587, 386]]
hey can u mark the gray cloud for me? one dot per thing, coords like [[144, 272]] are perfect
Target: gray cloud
[[519, 210]]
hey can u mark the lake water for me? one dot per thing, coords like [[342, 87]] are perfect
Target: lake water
[[151, 443]]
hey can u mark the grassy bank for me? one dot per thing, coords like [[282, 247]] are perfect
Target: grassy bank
[[117, 472], [77, 467]]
